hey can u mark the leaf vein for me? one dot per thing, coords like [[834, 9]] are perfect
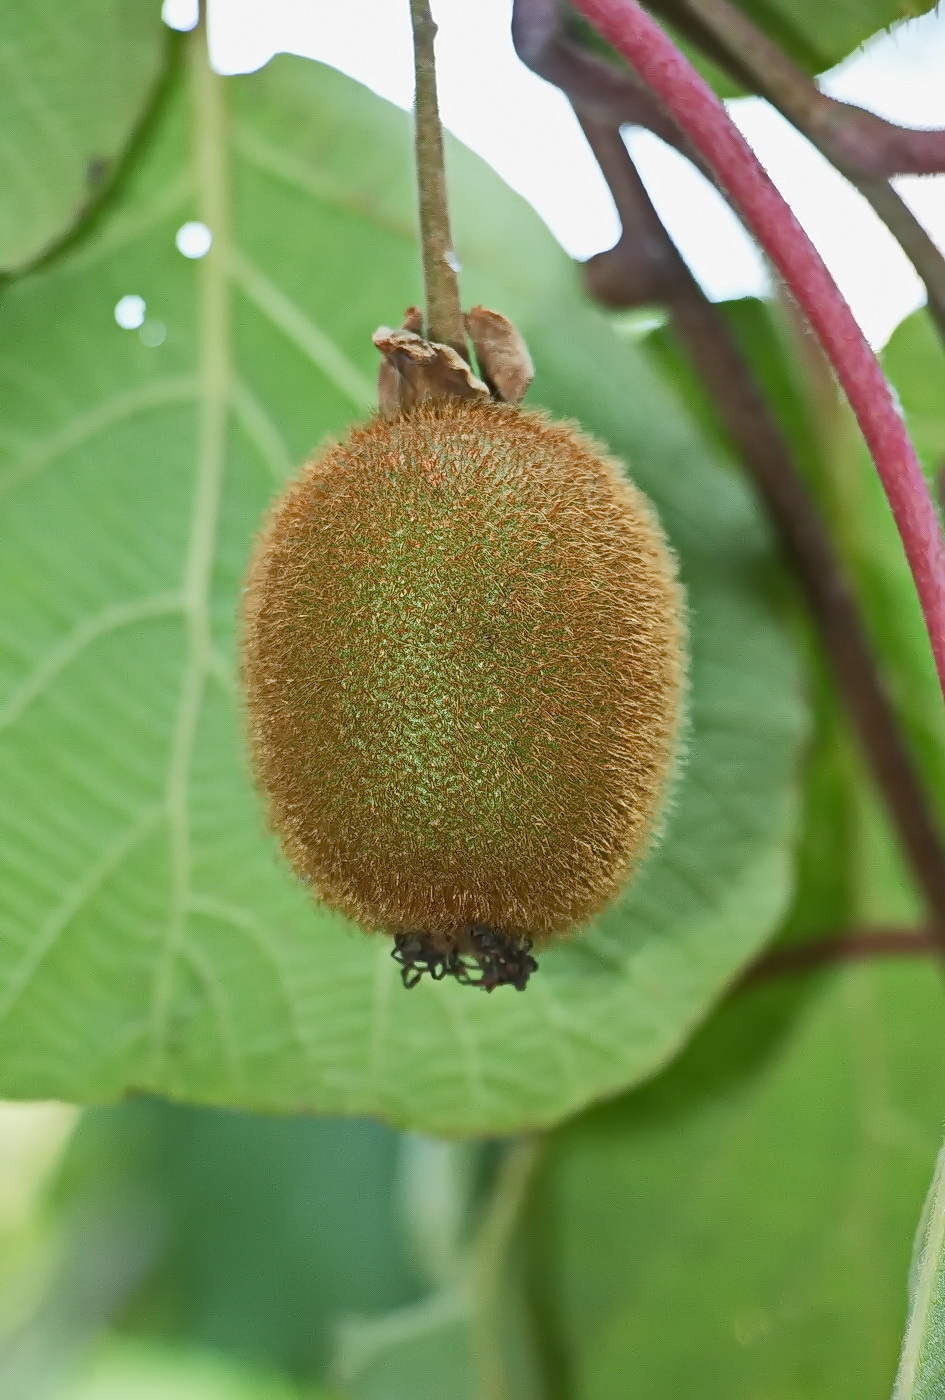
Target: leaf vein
[[41, 454], [75, 900], [84, 635], [323, 352]]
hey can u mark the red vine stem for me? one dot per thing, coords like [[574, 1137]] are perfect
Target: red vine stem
[[702, 117]]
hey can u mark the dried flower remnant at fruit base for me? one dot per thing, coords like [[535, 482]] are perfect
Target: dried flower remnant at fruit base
[[463, 653], [498, 959]]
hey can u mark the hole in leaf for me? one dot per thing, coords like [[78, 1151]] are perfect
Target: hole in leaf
[[193, 240], [180, 14], [129, 312]]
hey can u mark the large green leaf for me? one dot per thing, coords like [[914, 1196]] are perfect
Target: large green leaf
[[149, 934], [828, 450], [76, 77], [915, 363], [742, 1227]]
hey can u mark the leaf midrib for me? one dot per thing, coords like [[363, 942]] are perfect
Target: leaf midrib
[[211, 165]]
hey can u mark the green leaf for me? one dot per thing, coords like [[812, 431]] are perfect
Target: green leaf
[[814, 35], [307, 1244], [838, 885], [149, 934], [268, 1232], [122, 1369], [915, 362], [859, 512], [741, 1227], [471, 1337], [922, 1365], [76, 78], [819, 36], [419, 1353]]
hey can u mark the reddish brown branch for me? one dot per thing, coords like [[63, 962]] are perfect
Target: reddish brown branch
[[646, 265], [865, 147], [612, 95], [856, 946], [700, 114], [857, 141], [595, 86]]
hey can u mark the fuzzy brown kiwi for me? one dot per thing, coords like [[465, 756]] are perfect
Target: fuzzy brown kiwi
[[463, 662]]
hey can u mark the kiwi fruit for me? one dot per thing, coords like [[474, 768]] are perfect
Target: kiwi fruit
[[463, 663]]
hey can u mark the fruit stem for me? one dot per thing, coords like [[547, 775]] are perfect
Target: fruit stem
[[703, 118], [444, 316]]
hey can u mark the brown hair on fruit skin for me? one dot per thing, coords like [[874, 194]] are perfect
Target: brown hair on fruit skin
[[463, 661]]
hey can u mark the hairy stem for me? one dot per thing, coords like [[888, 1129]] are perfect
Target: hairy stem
[[444, 317], [700, 114], [646, 264]]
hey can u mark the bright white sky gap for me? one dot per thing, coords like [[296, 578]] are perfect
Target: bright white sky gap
[[527, 132]]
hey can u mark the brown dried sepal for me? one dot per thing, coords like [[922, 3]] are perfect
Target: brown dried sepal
[[414, 369], [388, 376], [504, 361]]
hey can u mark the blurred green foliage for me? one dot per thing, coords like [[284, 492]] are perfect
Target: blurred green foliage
[[270, 1230]]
